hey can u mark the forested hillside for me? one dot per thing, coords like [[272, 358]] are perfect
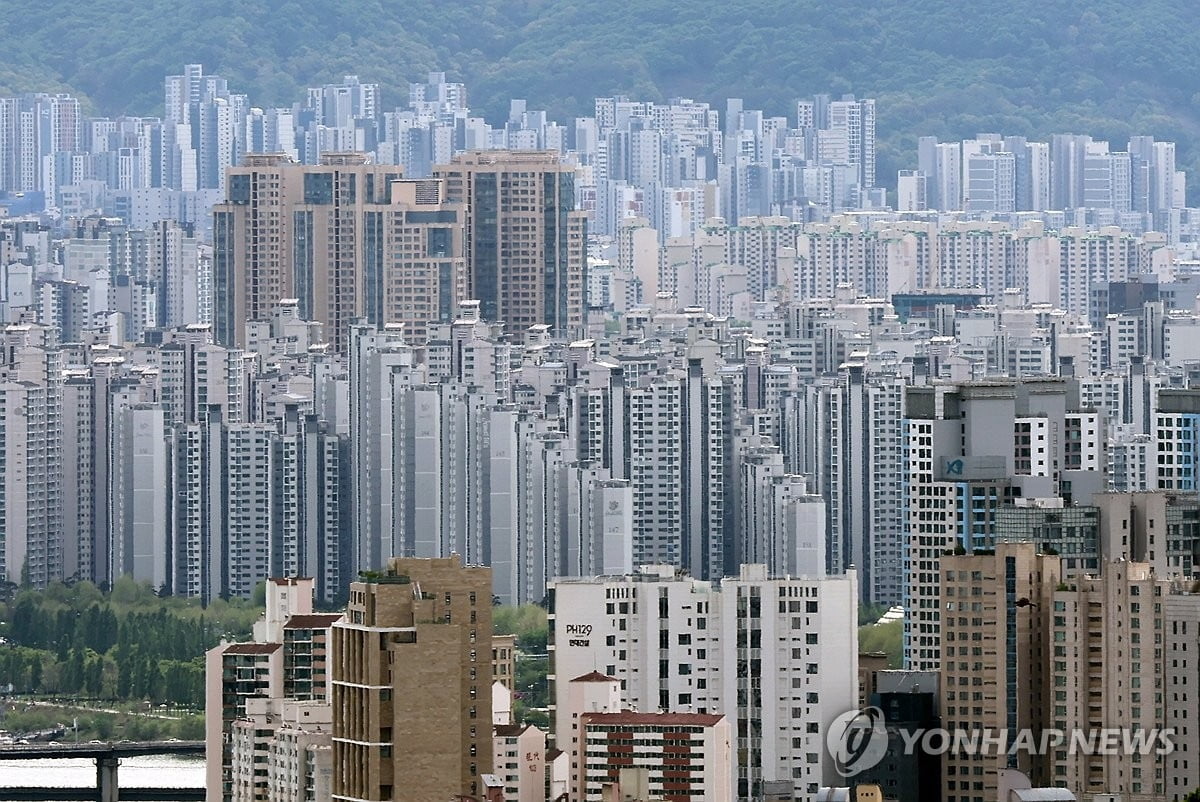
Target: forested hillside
[[936, 66]]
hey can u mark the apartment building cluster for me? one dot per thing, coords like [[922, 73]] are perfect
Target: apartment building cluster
[[668, 157], [389, 699], [406, 695], [726, 268], [685, 381], [1137, 188], [666, 687], [671, 435], [97, 273]]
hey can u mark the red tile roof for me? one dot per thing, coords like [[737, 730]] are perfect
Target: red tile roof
[[652, 719], [595, 676], [252, 648], [312, 621]]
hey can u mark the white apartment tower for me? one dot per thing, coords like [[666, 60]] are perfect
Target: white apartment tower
[[754, 648]]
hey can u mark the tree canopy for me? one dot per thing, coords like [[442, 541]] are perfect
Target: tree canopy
[[126, 644]]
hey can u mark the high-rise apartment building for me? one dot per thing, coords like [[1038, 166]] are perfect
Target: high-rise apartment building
[[1161, 529], [138, 492], [412, 683], [852, 122], [989, 177], [969, 450], [1181, 688], [525, 242], [994, 648], [670, 437], [31, 522], [854, 427], [912, 191], [346, 238], [753, 648], [948, 175], [181, 271], [1110, 669], [310, 513]]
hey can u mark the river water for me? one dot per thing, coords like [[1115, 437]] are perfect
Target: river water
[[149, 771]]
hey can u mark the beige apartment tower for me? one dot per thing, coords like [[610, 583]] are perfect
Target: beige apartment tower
[[1118, 640], [995, 645], [412, 683], [525, 242], [346, 238]]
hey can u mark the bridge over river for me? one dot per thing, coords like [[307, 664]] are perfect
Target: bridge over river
[[108, 760]]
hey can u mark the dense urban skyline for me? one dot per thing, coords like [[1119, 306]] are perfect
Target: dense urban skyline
[[685, 378]]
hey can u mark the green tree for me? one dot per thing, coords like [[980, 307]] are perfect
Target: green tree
[[94, 676], [870, 613], [35, 676], [102, 726], [190, 728], [887, 638], [72, 672], [528, 622]]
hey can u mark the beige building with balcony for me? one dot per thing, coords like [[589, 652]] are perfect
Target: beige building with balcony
[[267, 714], [504, 660], [993, 656], [412, 680], [1122, 643]]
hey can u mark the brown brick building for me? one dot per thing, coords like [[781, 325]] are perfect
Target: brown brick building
[[412, 677]]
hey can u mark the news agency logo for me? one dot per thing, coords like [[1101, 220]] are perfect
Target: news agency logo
[[857, 740]]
